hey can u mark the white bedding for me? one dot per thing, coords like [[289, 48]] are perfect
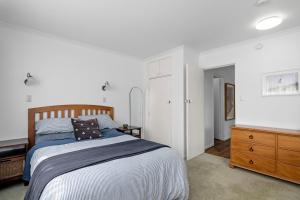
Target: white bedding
[[156, 175]]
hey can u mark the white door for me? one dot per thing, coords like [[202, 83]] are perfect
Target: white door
[[159, 111], [218, 84], [194, 111]]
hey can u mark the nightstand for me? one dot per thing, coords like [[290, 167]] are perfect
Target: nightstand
[[12, 158], [130, 130]]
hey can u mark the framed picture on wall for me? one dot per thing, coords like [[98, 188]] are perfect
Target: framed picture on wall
[[281, 83], [229, 101]]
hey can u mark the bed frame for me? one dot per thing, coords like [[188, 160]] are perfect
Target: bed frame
[[62, 111]]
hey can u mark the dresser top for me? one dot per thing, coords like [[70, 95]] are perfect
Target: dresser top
[[267, 129], [14, 142]]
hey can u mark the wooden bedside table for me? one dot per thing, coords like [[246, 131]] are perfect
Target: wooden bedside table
[[12, 158], [129, 130]]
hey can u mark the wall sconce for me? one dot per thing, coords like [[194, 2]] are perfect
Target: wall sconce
[[28, 78], [105, 86]]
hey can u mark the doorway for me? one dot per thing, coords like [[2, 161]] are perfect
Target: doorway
[[217, 124]]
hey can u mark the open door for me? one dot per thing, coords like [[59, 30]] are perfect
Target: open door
[[194, 111]]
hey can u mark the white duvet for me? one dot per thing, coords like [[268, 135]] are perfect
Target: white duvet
[[156, 175]]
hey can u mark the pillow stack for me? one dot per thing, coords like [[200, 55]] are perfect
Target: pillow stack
[[85, 127]]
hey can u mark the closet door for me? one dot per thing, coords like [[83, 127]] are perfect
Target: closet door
[[159, 68], [159, 112], [165, 66], [153, 69]]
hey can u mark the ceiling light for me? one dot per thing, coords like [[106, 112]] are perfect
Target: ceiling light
[[261, 2], [268, 23]]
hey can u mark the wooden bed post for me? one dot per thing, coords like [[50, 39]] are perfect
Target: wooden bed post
[[31, 128]]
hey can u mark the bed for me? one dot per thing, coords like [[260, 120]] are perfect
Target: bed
[[136, 169]]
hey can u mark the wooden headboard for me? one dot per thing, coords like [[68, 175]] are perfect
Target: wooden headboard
[[62, 111]]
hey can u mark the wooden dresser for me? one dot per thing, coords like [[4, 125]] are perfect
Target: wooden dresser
[[270, 151]]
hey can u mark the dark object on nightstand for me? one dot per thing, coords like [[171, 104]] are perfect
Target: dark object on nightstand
[[129, 130], [12, 157]]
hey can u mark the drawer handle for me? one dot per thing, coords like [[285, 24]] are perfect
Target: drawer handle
[[251, 162], [250, 137], [251, 149]]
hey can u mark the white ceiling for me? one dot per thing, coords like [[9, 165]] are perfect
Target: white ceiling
[[142, 28]]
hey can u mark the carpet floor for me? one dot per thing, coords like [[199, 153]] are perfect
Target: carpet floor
[[210, 178]]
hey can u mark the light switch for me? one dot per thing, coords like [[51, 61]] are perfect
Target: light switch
[[28, 98]]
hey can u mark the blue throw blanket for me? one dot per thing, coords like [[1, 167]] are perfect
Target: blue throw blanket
[[58, 165], [106, 133]]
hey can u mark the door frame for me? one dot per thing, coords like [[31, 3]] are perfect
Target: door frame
[[209, 143]]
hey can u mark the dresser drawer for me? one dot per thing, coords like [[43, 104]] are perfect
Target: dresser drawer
[[254, 162], [267, 139], [289, 142], [289, 157], [288, 171], [253, 149]]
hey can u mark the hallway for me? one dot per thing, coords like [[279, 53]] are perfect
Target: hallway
[[221, 148]]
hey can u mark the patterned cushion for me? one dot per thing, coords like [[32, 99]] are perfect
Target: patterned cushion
[[84, 130]]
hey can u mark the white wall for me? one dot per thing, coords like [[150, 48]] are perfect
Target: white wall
[[227, 73], [67, 73], [280, 52]]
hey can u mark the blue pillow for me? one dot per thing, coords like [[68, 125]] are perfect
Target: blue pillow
[[54, 136], [54, 125], [104, 121]]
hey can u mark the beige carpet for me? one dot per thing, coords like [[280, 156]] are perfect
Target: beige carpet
[[210, 178], [13, 192]]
